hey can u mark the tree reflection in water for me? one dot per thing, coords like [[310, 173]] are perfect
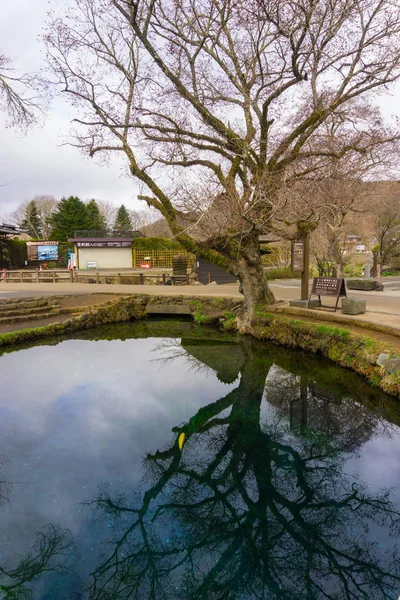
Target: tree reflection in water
[[252, 508], [52, 552]]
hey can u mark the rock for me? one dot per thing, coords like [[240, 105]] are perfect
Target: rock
[[212, 283], [382, 360], [353, 306], [393, 366], [305, 303], [197, 283]]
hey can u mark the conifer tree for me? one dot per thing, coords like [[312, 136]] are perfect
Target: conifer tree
[[32, 223], [122, 221], [97, 221], [71, 214]]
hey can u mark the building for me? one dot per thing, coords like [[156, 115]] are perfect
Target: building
[[102, 250]]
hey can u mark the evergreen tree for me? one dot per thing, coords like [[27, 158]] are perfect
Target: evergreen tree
[[71, 214], [122, 221], [31, 222], [97, 220]]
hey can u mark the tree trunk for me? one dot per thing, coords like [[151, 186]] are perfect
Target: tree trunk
[[253, 284]]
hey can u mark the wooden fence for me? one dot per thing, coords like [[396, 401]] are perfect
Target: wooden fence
[[58, 276], [159, 259]]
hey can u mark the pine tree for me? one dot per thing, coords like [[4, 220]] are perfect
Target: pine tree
[[97, 220], [71, 214], [122, 221], [31, 222]]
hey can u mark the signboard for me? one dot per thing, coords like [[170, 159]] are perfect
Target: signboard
[[91, 264], [328, 286], [324, 395], [43, 250], [104, 244], [145, 266], [298, 256]]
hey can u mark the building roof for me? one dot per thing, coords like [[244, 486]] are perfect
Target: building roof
[[101, 239], [6, 229]]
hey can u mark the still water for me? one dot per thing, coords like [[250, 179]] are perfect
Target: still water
[[285, 484]]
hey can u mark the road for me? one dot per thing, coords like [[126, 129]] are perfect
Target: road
[[382, 307]]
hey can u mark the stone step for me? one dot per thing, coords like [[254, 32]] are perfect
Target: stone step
[[25, 303], [28, 317], [23, 312]]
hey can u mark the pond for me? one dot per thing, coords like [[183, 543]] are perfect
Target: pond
[[163, 460]]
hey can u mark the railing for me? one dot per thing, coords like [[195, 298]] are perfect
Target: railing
[[56, 276], [37, 276], [159, 259]]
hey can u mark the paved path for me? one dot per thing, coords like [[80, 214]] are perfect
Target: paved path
[[382, 307]]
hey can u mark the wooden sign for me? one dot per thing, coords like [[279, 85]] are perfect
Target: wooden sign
[[328, 286], [298, 256]]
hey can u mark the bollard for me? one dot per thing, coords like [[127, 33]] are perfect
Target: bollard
[[141, 279], [97, 277], [71, 276], [37, 275], [54, 276], [119, 278]]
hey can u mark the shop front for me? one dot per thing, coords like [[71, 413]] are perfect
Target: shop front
[[103, 253]]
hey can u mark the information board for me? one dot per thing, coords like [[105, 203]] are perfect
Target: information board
[[298, 256], [42, 250], [328, 286]]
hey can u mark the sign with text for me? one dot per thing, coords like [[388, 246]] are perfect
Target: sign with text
[[104, 244], [298, 256], [328, 286], [42, 250]]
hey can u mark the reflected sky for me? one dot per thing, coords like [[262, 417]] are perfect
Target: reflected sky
[[80, 417], [70, 414]]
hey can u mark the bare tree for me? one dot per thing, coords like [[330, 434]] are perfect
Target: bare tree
[[217, 105], [108, 211], [22, 97], [46, 205], [387, 225]]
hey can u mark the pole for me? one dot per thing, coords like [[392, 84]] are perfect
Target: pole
[[305, 276]]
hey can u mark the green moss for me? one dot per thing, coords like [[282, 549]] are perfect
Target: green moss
[[343, 347]]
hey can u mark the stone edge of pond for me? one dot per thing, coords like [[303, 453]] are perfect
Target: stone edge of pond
[[377, 361], [204, 310]]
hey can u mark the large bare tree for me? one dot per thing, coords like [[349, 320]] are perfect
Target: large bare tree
[[22, 95], [217, 105]]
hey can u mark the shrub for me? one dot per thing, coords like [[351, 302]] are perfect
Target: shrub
[[284, 273], [353, 270], [155, 243]]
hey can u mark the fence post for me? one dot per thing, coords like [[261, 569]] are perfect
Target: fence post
[[141, 279], [170, 258], [97, 277], [134, 257], [164, 278]]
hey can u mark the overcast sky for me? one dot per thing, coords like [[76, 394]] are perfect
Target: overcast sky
[[37, 163]]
